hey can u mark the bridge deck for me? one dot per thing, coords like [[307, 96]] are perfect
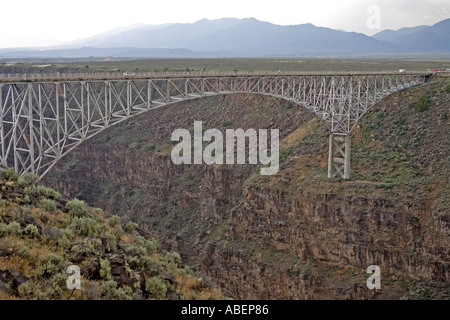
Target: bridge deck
[[98, 76]]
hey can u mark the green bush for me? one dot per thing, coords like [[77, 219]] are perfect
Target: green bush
[[150, 245], [112, 241], [3, 229], [109, 291], [64, 241], [130, 227], [31, 231], [84, 227], [52, 265], [422, 104], [24, 253], [77, 208], [53, 291], [149, 147], [26, 290], [41, 191], [137, 256], [14, 228], [51, 234], [23, 212], [114, 221], [153, 266], [65, 221], [8, 174], [27, 180], [173, 257], [156, 288], [48, 205], [105, 269], [447, 88]]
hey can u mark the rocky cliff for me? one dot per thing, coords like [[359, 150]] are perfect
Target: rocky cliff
[[295, 235]]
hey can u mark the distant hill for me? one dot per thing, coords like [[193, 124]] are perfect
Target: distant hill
[[100, 52], [392, 35], [247, 37], [427, 39], [231, 37]]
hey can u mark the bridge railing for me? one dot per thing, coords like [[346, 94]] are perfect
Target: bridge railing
[[17, 77]]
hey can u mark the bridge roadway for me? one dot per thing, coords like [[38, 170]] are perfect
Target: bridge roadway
[[91, 76], [45, 116]]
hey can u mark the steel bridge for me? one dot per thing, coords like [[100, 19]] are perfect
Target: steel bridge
[[42, 118]]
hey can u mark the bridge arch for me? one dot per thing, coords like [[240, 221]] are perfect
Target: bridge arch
[[41, 121]]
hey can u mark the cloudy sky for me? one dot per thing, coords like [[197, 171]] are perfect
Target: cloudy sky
[[48, 22]]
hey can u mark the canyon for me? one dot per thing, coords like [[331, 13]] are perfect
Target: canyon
[[296, 234]]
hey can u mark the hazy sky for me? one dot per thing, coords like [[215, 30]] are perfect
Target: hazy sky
[[47, 22]]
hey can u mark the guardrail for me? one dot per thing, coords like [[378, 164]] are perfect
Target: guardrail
[[36, 77]]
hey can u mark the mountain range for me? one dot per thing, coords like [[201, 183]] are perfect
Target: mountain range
[[231, 37]]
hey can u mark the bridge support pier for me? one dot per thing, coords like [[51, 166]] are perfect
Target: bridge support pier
[[339, 156]]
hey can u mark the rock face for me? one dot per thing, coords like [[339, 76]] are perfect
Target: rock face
[[9, 282], [296, 235]]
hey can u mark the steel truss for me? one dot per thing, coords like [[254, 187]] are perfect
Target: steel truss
[[43, 121]]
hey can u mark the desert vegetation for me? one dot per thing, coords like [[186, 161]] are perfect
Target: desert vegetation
[[42, 234]]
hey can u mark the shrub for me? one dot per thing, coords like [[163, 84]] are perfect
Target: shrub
[[84, 227], [156, 288], [105, 269], [400, 121], [26, 290], [14, 228], [109, 291], [422, 104], [137, 256], [112, 241], [52, 290], [27, 180], [8, 174], [41, 191], [130, 226], [48, 205], [51, 233], [149, 147], [447, 88], [153, 266], [3, 229], [98, 211], [65, 221], [149, 244], [24, 253], [23, 212], [114, 221], [64, 241], [77, 208], [91, 289], [52, 265], [173, 257], [31, 231]]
